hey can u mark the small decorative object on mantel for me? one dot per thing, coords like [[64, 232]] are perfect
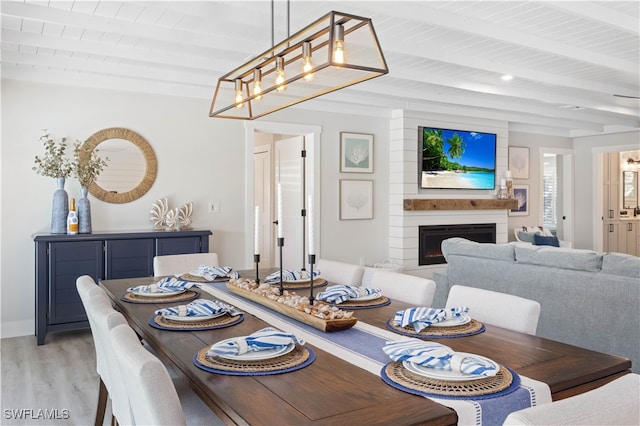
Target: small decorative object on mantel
[[87, 167], [168, 219], [158, 212], [55, 164]]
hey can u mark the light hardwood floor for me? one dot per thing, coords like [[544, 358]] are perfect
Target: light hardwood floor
[[57, 384]]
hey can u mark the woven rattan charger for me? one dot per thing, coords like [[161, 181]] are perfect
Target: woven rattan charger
[[295, 285], [165, 323], [469, 329], [503, 383], [298, 358], [365, 304], [181, 297]]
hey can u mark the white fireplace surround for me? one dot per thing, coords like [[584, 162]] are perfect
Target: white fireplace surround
[[403, 183]]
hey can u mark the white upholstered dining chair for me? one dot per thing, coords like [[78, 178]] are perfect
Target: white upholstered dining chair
[[405, 288], [102, 318], [152, 395], [499, 309], [616, 403], [175, 264], [340, 273]]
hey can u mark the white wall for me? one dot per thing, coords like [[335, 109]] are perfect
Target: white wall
[[200, 159]]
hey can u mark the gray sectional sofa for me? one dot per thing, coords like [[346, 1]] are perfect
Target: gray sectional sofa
[[587, 299]]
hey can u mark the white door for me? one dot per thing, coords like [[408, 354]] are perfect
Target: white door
[[288, 172], [263, 198]]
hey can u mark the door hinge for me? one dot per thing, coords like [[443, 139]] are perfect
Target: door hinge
[[303, 153]]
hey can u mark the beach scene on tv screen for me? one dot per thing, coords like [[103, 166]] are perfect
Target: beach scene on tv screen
[[458, 159]]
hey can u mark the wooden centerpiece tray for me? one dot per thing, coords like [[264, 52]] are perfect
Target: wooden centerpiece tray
[[326, 325]]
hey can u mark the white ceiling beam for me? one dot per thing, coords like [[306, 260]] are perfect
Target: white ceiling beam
[[421, 13], [604, 15]]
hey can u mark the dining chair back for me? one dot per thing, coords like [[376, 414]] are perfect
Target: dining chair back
[[405, 288], [175, 264], [102, 318], [499, 309], [340, 273], [152, 395], [616, 403]]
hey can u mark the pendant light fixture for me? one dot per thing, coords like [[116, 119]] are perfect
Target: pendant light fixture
[[336, 51]]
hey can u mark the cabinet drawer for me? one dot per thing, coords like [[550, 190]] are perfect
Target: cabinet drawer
[[182, 245], [68, 261], [129, 258]]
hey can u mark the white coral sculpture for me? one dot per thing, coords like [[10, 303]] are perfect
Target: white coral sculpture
[[357, 200], [184, 216], [171, 218], [158, 212]]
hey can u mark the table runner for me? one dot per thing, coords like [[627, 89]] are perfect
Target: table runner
[[362, 346]]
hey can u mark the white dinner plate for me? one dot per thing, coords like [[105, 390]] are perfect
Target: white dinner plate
[[259, 355], [305, 280], [450, 375], [367, 297], [193, 318], [158, 294], [452, 322]]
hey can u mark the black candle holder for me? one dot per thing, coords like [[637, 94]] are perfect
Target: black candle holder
[[312, 260], [281, 244], [256, 259]]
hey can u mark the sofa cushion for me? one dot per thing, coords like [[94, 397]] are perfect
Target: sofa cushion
[[464, 247], [565, 258], [543, 240], [621, 264]]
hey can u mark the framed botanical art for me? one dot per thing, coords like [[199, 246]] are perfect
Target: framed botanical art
[[521, 194], [519, 162], [356, 199], [356, 153]]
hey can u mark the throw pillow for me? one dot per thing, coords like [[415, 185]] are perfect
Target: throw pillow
[[542, 240], [527, 237]]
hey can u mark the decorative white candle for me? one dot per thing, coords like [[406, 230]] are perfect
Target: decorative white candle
[[503, 182], [280, 222], [256, 232], [311, 232]]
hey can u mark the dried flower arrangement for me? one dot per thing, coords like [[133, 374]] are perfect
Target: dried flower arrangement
[[87, 164], [54, 163]]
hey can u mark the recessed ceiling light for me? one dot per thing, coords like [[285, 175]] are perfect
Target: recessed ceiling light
[[507, 77]]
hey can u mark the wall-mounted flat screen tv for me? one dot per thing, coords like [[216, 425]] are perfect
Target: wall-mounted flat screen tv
[[456, 159]]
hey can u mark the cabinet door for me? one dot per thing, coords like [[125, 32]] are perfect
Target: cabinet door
[[611, 237], [181, 245], [129, 258], [68, 261], [629, 244]]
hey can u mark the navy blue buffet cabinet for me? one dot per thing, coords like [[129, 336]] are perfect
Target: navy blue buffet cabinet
[[60, 259]]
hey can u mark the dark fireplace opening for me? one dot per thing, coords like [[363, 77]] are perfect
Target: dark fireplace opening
[[431, 237]]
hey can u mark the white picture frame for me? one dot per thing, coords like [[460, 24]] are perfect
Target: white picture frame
[[356, 199], [519, 162], [356, 152], [521, 193]]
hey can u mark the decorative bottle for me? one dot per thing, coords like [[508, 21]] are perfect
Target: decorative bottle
[[502, 192], [72, 218], [84, 212]]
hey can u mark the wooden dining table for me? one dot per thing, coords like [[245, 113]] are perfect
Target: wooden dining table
[[333, 391]]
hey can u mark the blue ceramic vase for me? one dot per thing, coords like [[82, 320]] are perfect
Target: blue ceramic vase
[[60, 209], [84, 212]]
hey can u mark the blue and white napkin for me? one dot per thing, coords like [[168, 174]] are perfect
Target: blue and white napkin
[[290, 275], [341, 293], [210, 273], [197, 308], [165, 285], [422, 317], [265, 339], [438, 356]]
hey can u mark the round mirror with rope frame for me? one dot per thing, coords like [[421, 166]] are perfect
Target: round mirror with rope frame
[[139, 188]]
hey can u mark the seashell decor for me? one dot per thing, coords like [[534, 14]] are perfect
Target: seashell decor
[[162, 217]]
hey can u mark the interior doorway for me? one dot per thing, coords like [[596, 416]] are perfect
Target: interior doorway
[[275, 156], [557, 191]]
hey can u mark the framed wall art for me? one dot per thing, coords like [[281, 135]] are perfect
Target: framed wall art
[[356, 153], [519, 162], [521, 194], [356, 199]]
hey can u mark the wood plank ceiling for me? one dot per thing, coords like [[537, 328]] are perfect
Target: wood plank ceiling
[[575, 65]]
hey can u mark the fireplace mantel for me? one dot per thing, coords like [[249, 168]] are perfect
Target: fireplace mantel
[[416, 204]]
